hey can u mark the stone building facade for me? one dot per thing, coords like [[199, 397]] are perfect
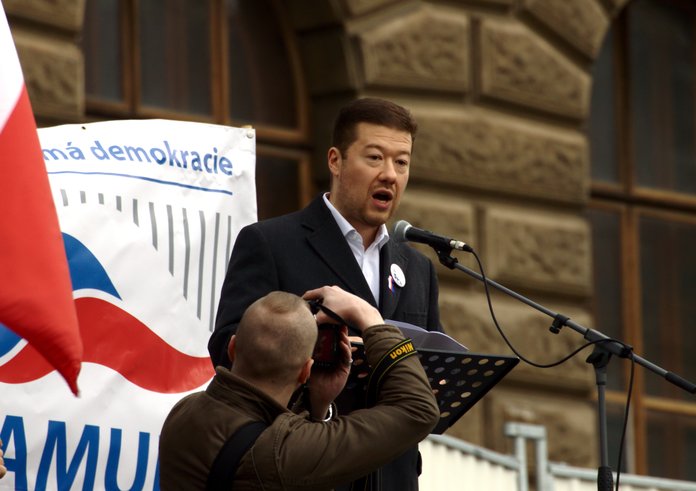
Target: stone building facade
[[501, 89]]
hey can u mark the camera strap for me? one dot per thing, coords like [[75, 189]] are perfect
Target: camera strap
[[316, 305], [396, 354]]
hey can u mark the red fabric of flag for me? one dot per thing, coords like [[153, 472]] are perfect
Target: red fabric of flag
[[35, 290]]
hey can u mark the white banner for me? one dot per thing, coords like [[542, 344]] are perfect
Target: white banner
[[149, 212]]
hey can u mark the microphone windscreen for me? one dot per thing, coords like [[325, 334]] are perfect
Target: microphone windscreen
[[400, 228]]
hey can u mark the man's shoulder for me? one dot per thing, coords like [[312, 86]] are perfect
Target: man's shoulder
[[279, 221], [181, 415], [311, 216]]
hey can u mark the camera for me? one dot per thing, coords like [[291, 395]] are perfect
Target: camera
[[326, 352]]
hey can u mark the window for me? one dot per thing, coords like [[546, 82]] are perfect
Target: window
[[227, 62], [642, 130]]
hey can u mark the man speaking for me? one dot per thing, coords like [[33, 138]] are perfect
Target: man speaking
[[341, 239]]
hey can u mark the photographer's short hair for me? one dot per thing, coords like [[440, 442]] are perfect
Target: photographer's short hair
[[275, 337], [374, 111]]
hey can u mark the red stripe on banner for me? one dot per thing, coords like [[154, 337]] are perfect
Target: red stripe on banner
[[118, 340], [26, 366], [35, 290], [115, 339]]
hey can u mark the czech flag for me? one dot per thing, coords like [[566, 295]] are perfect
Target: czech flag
[[35, 291]]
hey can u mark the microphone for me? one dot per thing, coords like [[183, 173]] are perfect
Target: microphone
[[404, 231]]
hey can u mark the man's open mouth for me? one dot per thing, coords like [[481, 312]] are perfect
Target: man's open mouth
[[384, 196]]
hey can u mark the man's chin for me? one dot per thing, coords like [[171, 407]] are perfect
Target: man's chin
[[379, 219]]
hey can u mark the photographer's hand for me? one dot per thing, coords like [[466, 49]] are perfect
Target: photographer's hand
[[326, 384], [350, 307]]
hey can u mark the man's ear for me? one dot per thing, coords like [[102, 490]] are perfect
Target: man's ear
[[231, 347], [305, 372], [334, 160]]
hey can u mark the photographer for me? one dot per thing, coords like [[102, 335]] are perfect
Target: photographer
[[272, 357]]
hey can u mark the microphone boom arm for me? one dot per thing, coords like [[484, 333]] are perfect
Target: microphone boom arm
[[560, 320]]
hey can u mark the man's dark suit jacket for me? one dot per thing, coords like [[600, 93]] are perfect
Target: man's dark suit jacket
[[306, 250]]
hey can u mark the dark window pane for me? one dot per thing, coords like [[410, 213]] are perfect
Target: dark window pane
[[668, 284], [607, 283], [671, 448], [175, 55], [261, 79], [662, 81], [602, 129], [277, 186], [101, 44]]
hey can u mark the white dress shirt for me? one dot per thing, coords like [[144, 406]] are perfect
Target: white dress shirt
[[368, 259]]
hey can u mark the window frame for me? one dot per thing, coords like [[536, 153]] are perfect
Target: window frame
[[293, 143], [630, 202]]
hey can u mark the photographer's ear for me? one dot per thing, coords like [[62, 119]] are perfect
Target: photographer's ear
[[231, 347], [305, 372]]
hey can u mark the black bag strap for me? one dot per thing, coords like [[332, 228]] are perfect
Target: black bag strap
[[225, 465]]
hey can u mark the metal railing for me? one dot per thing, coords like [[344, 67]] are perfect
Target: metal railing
[[453, 464], [450, 463]]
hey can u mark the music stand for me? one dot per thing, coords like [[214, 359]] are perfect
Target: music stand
[[458, 377]]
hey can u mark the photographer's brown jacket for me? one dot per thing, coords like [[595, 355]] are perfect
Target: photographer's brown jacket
[[294, 453]]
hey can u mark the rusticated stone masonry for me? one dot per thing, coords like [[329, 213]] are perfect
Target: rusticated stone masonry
[[483, 150], [52, 62], [519, 66], [64, 14], [542, 250], [582, 23], [53, 74], [425, 49]]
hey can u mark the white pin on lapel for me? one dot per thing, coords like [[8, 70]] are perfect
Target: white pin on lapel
[[398, 275]]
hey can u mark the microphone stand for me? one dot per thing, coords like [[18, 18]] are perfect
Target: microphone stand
[[604, 348]]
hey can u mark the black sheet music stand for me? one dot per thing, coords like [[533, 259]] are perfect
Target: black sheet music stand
[[460, 380], [458, 377]]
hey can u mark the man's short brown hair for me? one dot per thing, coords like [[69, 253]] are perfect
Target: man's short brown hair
[[374, 111]]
